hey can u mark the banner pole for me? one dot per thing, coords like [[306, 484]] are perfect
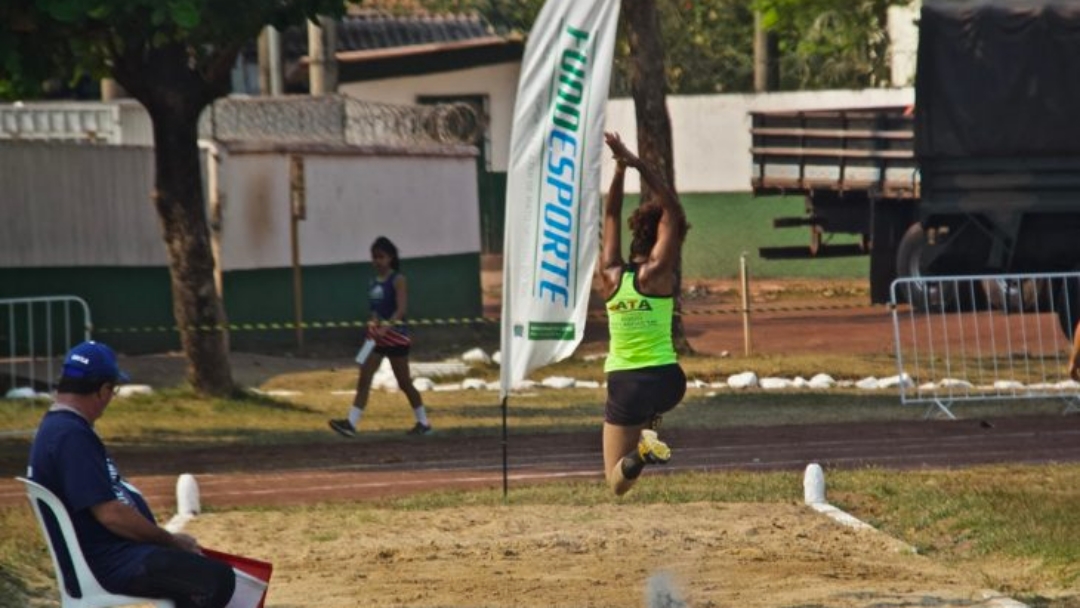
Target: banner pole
[[505, 451]]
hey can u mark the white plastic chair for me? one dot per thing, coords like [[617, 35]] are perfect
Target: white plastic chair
[[92, 594]]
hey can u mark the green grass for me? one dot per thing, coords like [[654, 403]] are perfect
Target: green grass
[[724, 226], [179, 417]]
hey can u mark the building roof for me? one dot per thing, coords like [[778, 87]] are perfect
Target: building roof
[[372, 45], [371, 31]]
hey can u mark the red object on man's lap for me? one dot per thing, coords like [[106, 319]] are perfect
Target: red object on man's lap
[[250, 587]]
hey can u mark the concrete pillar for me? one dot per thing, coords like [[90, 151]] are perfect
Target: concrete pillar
[[814, 484], [111, 90]]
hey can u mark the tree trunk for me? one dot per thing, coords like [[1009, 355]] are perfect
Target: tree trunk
[[175, 95], [648, 86]]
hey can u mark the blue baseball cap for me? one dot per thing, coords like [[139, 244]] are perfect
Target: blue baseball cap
[[93, 360]]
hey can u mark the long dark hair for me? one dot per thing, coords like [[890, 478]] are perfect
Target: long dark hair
[[386, 246]]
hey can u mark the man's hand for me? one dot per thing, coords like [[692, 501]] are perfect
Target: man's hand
[[186, 542]]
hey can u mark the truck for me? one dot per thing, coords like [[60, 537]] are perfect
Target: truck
[[980, 176]]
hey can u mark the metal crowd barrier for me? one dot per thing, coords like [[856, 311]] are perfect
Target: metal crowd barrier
[[985, 337], [38, 330]]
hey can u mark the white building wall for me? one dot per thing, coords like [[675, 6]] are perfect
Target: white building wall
[[425, 204], [498, 83], [69, 204], [65, 204], [711, 133]]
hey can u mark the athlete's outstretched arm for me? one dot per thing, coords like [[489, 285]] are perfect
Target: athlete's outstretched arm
[[611, 247], [672, 228]]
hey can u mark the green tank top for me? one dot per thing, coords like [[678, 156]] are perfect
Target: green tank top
[[640, 327]]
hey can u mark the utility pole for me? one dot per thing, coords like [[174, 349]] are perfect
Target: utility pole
[[322, 60], [766, 74]]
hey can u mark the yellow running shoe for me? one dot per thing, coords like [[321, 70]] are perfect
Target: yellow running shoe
[[651, 449]]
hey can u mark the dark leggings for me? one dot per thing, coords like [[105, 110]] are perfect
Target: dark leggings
[[191, 580]]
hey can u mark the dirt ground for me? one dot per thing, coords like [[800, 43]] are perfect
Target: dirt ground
[[705, 555]]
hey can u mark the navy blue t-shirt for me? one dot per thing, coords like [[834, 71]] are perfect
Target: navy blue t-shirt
[[68, 458], [382, 298]]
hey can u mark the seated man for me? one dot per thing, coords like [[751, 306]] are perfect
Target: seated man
[[127, 551]]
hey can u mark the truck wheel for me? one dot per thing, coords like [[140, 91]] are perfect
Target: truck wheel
[[1011, 295], [922, 295]]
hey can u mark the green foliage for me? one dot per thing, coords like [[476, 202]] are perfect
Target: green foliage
[[49, 38], [505, 15], [709, 46], [830, 43], [698, 61]]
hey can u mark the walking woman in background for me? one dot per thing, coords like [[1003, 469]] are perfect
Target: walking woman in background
[[644, 378], [389, 336]]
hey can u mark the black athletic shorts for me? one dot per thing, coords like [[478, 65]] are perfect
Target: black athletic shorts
[[636, 396], [393, 351]]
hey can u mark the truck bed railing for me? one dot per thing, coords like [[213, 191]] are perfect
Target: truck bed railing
[[838, 150]]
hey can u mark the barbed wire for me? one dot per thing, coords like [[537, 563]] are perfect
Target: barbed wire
[[340, 120]]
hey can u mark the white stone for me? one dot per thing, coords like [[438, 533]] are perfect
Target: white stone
[[586, 384], [384, 377], [282, 393], [1008, 385], [494, 385], [718, 385], [473, 384], [955, 383], [867, 383], [558, 382], [927, 387], [21, 392], [845, 383], [813, 484], [497, 357], [822, 381], [476, 355], [454, 386], [743, 380], [595, 357], [423, 384], [697, 383], [896, 381], [439, 369], [772, 384], [524, 385], [187, 495], [128, 390], [800, 382]]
